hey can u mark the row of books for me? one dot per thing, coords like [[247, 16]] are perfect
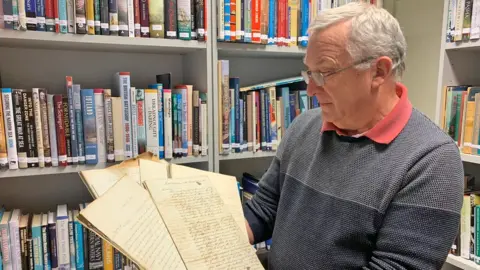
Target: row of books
[[460, 116], [271, 22], [463, 20], [54, 240], [182, 19], [467, 244], [90, 126], [254, 118]]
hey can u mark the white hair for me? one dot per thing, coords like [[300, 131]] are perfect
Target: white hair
[[374, 33]]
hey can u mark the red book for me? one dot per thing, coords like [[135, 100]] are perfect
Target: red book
[[50, 15], [60, 128], [144, 21], [136, 19], [256, 9], [233, 19], [282, 22], [55, 14]]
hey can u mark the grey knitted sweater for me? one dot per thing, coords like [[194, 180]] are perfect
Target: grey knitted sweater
[[333, 202]]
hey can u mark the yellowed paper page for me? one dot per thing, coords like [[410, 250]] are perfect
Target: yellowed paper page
[[226, 186], [127, 216], [100, 181], [152, 170], [201, 225]]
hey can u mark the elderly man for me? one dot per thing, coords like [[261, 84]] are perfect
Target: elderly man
[[366, 181]]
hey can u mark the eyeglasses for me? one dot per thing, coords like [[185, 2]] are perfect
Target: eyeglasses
[[319, 77]]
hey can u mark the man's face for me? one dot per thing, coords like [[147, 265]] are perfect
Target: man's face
[[346, 94]]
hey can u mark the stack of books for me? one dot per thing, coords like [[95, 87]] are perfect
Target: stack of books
[[254, 118], [271, 22], [463, 20], [179, 19], [90, 126]]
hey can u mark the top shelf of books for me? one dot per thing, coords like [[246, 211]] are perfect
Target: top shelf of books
[[45, 40]]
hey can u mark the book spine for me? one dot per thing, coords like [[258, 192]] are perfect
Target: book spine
[[226, 19], [24, 248], [71, 240], [133, 98], [79, 255], [6, 247], [233, 20], [107, 256], [117, 260], [62, 15], [44, 122], [220, 20], [7, 14], [226, 107], [16, 21], [204, 113], [89, 126], [233, 144], [200, 19], [193, 28], [31, 14], [184, 11], [273, 117], [97, 17], [131, 18], [189, 120], [45, 248], [95, 252], [241, 126], [239, 21], [49, 16], [171, 18], [52, 231], [196, 123], [245, 122], [32, 153], [271, 21], [80, 17], [151, 112], [72, 122], [107, 94], [90, 14], [141, 133], [15, 242], [117, 128], [144, 20], [21, 15], [3, 141], [52, 129], [104, 18], [124, 89], [56, 16], [174, 124], [161, 143], [122, 18], [184, 122], [60, 129], [167, 106], [35, 260], [71, 16], [113, 16], [100, 125], [68, 136], [38, 127], [179, 125], [156, 14], [17, 102], [136, 20], [63, 243], [256, 14]]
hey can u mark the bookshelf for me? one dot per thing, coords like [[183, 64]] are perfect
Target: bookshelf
[[462, 263]]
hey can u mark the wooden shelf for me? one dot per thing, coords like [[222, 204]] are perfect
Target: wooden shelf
[[471, 158], [464, 46], [462, 262], [245, 155], [77, 168], [258, 50], [55, 41]]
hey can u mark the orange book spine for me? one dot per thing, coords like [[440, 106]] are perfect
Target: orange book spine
[[233, 20], [107, 256], [256, 12]]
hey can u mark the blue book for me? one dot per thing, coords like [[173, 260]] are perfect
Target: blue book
[[77, 106], [89, 126], [286, 106], [73, 123], [315, 103], [161, 135], [303, 102], [30, 12], [271, 22], [78, 233], [304, 22], [234, 83], [40, 14], [62, 15], [226, 19], [37, 242], [292, 100]]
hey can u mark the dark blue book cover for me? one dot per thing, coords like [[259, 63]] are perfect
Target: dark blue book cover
[[31, 11], [40, 14], [293, 112], [89, 126], [52, 234]]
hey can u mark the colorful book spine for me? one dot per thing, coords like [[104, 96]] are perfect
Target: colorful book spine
[[104, 18], [233, 20], [90, 14], [193, 28], [45, 243], [144, 19], [123, 90], [80, 17], [156, 17], [100, 125], [234, 84], [134, 117], [136, 19], [256, 22], [122, 18], [71, 24], [31, 14], [77, 111], [117, 260], [303, 38], [50, 15], [271, 22], [196, 123], [32, 152], [79, 245], [60, 129], [38, 126], [184, 127], [13, 226], [17, 102], [161, 144], [141, 131], [167, 105], [184, 11], [107, 95], [151, 112], [97, 17], [204, 113], [273, 117], [89, 126], [45, 131], [107, 256], [7, 14], [171, 18], [37, 247], [62, 13], [8, 115], [71, 239], [68, 136], [3, 141], [113, 16], [16, 21], [189, 119], [72, 121], [52, 129]]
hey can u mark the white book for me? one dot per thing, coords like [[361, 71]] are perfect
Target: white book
[[14, 227], [151, 117], [203, 109], [133, 97], [167, 120], [100, 124], [63, 243], [475, 28], [52, 130], [71, 238], [38, 126], [71, 16], [131, 21], [5, 241], [122, 89], [117, 129], [459, 19], [9, 128]]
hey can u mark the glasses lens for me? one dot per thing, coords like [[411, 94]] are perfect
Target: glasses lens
[[318, 78], [305, 76]]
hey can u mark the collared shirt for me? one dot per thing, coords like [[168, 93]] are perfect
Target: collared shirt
[[385, 131]]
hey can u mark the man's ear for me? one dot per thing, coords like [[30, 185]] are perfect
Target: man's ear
[[381, 71]]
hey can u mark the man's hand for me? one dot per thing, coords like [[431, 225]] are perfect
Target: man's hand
[[249, 232]]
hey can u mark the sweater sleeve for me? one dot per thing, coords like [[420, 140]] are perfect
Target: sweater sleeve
[[422, 220]]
